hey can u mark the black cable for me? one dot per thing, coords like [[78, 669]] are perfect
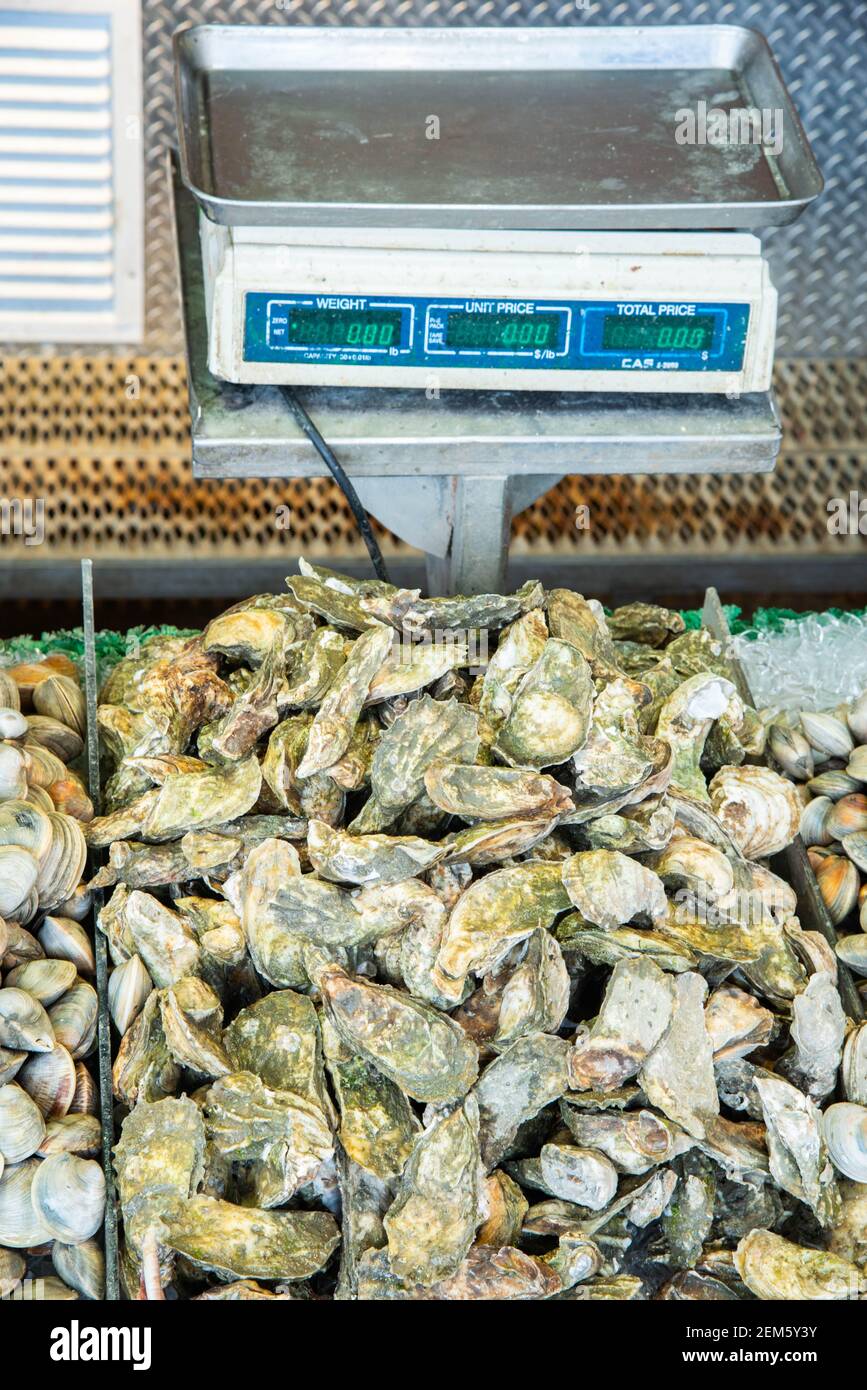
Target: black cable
[[335, 468]]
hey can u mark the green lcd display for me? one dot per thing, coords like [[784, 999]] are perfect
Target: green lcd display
[[657, 334], [339, 328], [501, 332]]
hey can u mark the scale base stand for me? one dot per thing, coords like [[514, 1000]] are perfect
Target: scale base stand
[[447, 473]]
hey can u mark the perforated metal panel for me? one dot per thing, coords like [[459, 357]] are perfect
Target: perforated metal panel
[[818, 264], [105, 442]]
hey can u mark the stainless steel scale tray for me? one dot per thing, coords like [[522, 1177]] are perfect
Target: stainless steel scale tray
[[331, 127]]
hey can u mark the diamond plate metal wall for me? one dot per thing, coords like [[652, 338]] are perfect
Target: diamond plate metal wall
[[818, 265]]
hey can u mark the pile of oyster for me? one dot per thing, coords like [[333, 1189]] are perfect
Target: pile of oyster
[[52, 1188], [826, 754], [444, 980]]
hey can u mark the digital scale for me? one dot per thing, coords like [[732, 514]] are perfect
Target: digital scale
[[510, 232]]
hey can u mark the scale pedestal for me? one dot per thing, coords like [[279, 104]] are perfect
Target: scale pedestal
[[447, 473]]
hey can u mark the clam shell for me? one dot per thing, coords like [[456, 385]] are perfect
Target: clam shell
[[74, 1019], [838, 883], [64, 939], [20, 1224], [61, 871], [857, 764], [845, 1128], [853, 1075], [833, 784], [813, 818], [43, 766], [12, 723], [22, 1127], [13, 772], [85, 1101], [67, 794], [81, 1266], [76, 1134], [61, 698], [847, 816], [12, 1267], [68, 1196], [9, 693], [28, 674], [11, 1063], [78, 905], [792, 751], [50, 1078], [24, 1024], [128, 989], [46, 980], [22, 946], [827, 734], [38, 797], [18, 874], [852, 951], [23, 824], [65, 743], [855, 846], [856, 717]]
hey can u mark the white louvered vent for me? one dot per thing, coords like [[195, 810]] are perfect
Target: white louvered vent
[[71, 173]]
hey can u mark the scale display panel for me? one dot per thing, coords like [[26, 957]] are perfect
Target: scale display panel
[[573, 335]]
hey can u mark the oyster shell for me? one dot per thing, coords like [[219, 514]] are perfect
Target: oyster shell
[[759, 808]]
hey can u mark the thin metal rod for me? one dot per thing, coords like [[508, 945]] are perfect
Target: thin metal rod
[[112, 1289], [335, 467]]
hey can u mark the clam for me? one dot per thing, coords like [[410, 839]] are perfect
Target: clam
[[18, 874], [46, 980], [61, 698], [856, 717], [857, 764], [49, 1078], [12, 723], [855, 847], [13, 772], [68, 1196], [24, 1024], [128, 988], [28, 674], [852, 951], [61, 871], [845, 1128], [11, 1062], [827, 734], [813, 821], [9, 694], [85, 1099], [75, 1134], [67, 794], [81, 1267], [792, 751], [22, 1127], [12, 1269], [63, 938], [758, 807], [20, 1224], [847, 816], [65, 743], [74, 1019], [853, 1076], [833, 784], [838, 883], [78, 905], [43, 767]]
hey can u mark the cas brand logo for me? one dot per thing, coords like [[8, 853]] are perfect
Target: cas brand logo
[[77, 1343]]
